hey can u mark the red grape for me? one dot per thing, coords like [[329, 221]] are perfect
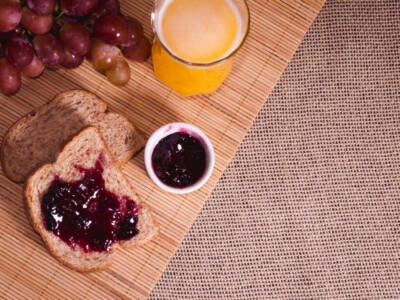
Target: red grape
[[41, 7], [19, 52], [18, 31], [34, 69], [78, 7], [138, 52], [111, 29], [110, 6], [5, 36], [35, 23], [135, 32], [48, 49], [10, 14], [120, 73], [71, 19], [10, 77], [102, 55], [71, 61], [75, 38]]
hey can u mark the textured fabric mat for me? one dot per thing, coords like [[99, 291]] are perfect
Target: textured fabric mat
[[310, 206]]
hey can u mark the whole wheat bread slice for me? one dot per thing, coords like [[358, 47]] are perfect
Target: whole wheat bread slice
[[38, 137], [84, 150]]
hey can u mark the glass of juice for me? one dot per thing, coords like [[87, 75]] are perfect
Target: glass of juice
[[195, 41]]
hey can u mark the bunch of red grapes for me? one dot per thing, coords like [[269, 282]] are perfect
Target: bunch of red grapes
[[39, 33]]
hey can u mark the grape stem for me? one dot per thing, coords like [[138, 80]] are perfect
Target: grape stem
[[59, 15]]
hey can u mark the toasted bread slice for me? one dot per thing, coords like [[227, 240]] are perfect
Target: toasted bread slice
[[83, 151], [38, 137]]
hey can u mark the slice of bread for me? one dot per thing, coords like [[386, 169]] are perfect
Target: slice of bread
[[83, 151], [38, 137]]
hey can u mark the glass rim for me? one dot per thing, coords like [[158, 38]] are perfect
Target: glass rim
[[207, 64]]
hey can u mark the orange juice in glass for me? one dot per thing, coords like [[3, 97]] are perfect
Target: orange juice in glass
[[195, 42]]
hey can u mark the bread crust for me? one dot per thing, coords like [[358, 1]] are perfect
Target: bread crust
[[37, 224], [13, 129]]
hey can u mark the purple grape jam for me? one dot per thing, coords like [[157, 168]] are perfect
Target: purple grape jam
[[179, 160], [85, 213]]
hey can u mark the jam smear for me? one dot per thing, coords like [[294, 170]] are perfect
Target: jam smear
[[179, 160], [85, 213]]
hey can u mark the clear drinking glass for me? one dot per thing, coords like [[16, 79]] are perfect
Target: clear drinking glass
[[187, 77]]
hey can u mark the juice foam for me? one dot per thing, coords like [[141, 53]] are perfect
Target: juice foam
[[199, 31]]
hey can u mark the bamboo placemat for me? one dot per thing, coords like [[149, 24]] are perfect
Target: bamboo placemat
[[26, 268]]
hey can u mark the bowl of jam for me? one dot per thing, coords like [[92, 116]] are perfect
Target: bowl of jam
[[179, 158]]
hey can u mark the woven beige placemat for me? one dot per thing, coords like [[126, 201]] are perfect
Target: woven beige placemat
[[310, 206]]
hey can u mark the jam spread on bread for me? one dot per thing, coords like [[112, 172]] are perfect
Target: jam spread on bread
[[179, 160], [85, 213]]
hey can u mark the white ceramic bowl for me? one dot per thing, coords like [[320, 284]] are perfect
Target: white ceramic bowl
[[170, 129]]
